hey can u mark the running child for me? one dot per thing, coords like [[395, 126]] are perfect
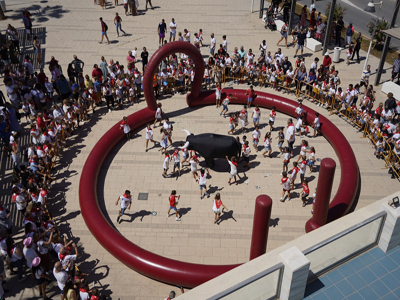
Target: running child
[[218, 95], [267, 145], [217, 207], [193, 167], [281, 139], [256, 137], [285, 182], [251, 95], [303, 149], [303, 168], [166, 164], [126, 202], [177, 162], [127, 130], [201, 37], [225, 103], [203, 183], [272, 116], [185, 153], [311, 159], [305, 193], [243, 118], [246, 153], [164, 140], [233, 172], [256, 116], [149, 136], [173, 202], [299, 125], [293, 176], [286, 160], [233, 122], [158, 115], [316, 125]]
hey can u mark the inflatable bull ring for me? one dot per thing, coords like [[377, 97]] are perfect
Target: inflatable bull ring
[[172, 271]]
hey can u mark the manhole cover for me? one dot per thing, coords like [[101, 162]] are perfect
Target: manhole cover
[[143, 196], [154, 213]]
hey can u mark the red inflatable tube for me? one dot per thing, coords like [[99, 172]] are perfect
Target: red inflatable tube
[[168, 270]]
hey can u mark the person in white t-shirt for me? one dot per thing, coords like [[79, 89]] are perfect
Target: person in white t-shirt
[[316, 125], [172, 30], [186, 35], [177, 162], [193, 167], [212, 44], [290, 136], [158, 115], [233, 172], [203, 183], [126, 202], [149, 136], [60, 275], [256, 115], [256, 137], [125, 126], [224, 43]]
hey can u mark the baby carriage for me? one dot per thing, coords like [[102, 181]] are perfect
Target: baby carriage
[[270, 20]]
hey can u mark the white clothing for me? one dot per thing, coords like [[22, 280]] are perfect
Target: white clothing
[[29, 254], [290, 133], [61, 278], [233, 168], [172, 30], [125, 201], [203, 179], [166, 163]]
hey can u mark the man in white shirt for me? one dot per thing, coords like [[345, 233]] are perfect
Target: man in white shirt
[[290, 136], [60, 275], [172, 30], [279, 56], [314, 65], [29, 253], [224, 43], [212, 44]]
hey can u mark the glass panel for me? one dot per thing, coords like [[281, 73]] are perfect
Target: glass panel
[[345, 246], [262, 288]]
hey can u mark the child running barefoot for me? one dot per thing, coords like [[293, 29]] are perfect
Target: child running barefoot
[[293, 176], [158, 115], [218, 95], [193, 167], [246, 153], [149, 136], [305, 193], [164, 140], [124, 125], [166, 164], [217, 207], [281, 139], [173, 202], [311, 159], [256, 137], [285, 186], [303, 149], [267, 145], [316, 125], [185, 153], [233, 172], [286, 160], [177, 162], [256, 115], [233, 122], [203, 183], [272, 116]]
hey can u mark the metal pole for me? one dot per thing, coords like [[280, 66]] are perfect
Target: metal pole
[[261, 9], [259, 237], [323, 197], [328, 30], [252, 5], [370, 44], [386, 45], [292, 13]]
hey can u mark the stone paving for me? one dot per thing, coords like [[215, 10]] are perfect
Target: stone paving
[[73, 28]]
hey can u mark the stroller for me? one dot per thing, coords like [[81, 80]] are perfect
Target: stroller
[[270, 19]]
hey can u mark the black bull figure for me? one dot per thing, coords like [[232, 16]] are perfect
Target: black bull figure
[[211, 146]]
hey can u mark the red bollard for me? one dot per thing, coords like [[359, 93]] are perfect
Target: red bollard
[[262, 215], [323, 197]]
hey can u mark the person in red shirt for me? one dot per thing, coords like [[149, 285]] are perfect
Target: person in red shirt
[[306, 191], [327, 61], [97, 72], [251, 94], [173, 202], [40, 122]]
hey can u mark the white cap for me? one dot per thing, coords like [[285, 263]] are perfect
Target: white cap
[[326, 53]]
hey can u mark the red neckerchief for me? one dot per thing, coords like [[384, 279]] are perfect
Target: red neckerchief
[[291, 124], [123, 122], [175, 153], [234, 163], [218, 203]]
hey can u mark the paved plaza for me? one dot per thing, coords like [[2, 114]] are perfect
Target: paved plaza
[[72, 27]]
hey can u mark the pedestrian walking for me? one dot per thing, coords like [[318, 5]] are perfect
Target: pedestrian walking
[[104, 29], [117, 23], [284, 33], [173, 202], [349, 34], [338, 30], [217, 207], [149, 2], [357, 47], [126, 202], [38, 50]]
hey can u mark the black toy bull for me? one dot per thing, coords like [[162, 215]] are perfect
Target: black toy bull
[[212, 146]]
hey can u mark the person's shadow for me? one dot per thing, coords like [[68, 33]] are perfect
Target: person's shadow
[[140, 214], [273, 222], [183, 211], [226, 215]]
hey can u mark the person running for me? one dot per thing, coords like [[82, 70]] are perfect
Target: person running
[[127, 129], [305, 193], [193, 167], [225, 103], [267, 145], [272, 116], [233, 172], [243, 118], [149, 136], [166, 164], [117, 23], [104, 29], [203, 183], [246, 153], [256, 137], [126, 202], [285, 182], [158, 115], [173, 202], [281, 139], [217, 207], [177, 162]]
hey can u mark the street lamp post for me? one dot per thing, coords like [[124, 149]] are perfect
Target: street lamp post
[[371, 9]]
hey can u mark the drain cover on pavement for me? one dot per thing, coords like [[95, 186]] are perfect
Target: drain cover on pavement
[[143, 196]]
